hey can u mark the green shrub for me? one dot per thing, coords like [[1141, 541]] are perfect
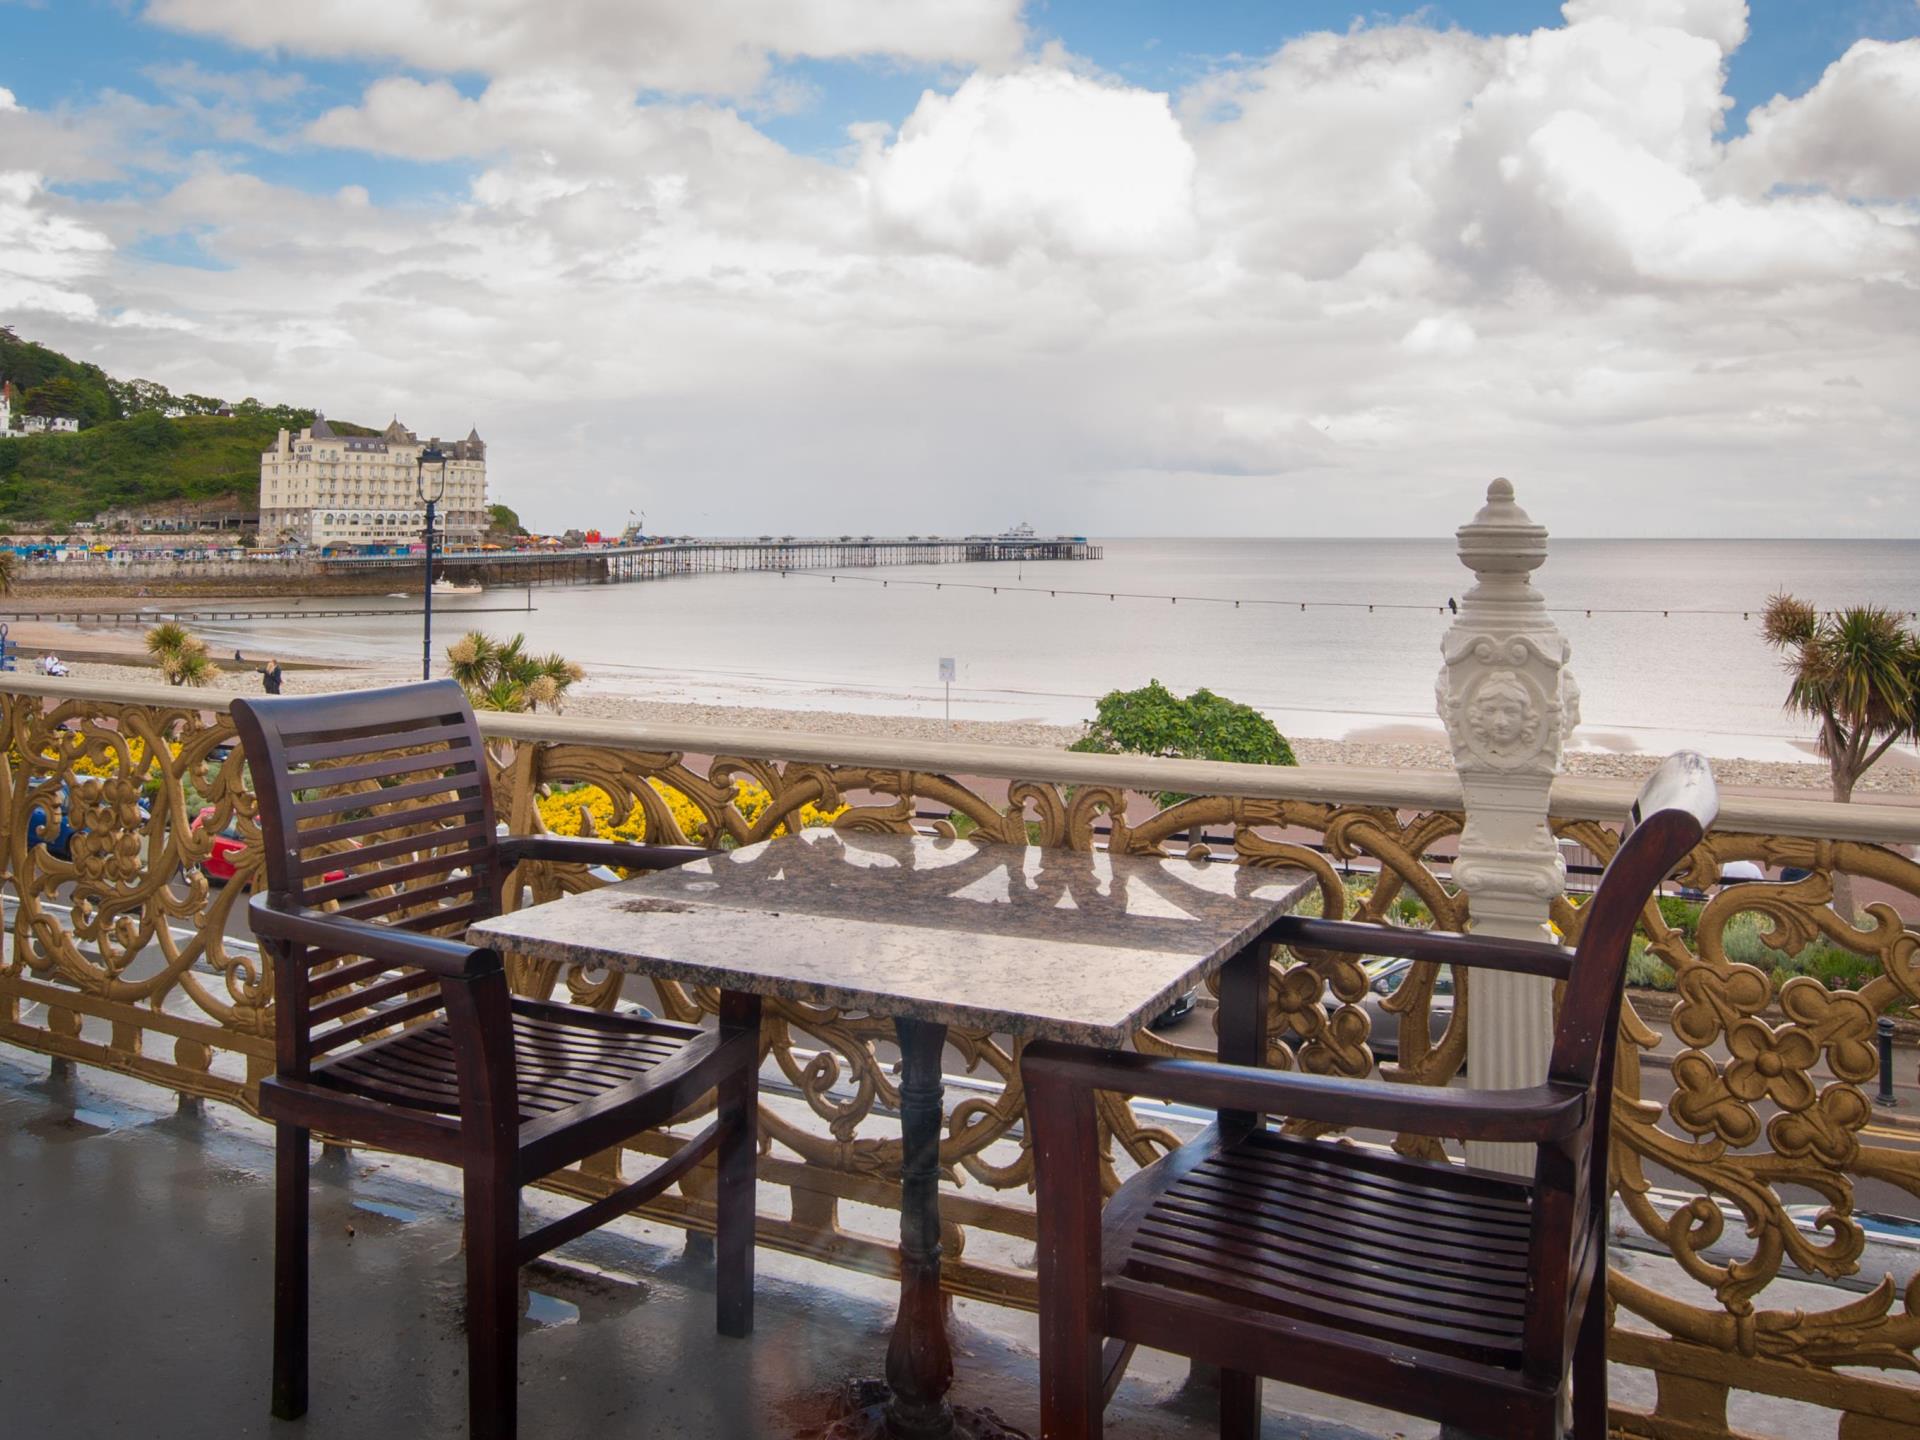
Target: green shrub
[[1834, 966], [1681, 915], [1154, 721], [1646, 970]]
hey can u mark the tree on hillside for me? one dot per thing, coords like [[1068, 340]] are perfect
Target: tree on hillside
[[61, 396], [136, 396], [30, 367], [502, 520]]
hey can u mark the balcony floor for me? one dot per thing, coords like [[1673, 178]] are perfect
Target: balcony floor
[[135, 1294]]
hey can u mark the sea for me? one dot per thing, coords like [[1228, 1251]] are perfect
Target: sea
[[1331, 638]]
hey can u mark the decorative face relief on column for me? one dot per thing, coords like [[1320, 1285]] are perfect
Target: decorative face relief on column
[[1504, 692], [1499, 710]]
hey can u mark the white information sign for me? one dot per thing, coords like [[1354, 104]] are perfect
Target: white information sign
[[946, 670]]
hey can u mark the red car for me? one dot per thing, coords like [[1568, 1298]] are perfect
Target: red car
[[221, 864]]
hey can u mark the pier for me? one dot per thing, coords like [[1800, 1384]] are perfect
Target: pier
[[620, 564]]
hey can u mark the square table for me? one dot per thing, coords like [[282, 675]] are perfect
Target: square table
[[1027, 942]]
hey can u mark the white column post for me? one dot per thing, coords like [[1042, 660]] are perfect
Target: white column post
[[1509, 702]]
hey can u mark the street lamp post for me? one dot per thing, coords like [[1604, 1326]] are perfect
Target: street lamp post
[[430, 490]]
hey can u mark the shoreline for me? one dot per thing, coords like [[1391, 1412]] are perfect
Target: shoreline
[[1401, 747]]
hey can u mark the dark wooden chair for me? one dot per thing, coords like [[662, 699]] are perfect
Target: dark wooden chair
[[1435, 1289], [395, 1032]]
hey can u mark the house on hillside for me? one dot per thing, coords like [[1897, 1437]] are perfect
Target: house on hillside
[[30, 424]]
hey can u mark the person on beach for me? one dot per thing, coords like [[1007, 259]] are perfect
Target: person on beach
[[52, 664], [270, 674]]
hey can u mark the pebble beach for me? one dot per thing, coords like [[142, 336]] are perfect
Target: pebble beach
[[1897, 775]]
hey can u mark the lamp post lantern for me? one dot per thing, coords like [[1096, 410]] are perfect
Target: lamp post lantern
[[431, 486]]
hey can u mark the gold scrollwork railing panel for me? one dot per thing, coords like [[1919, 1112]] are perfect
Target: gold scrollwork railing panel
[[123, 953], [1770, 1077]]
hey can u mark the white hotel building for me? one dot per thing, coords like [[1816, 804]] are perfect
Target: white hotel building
[[321, 488]]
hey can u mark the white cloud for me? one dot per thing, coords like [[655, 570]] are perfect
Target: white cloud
[[715, 47], [1039, 158], [45, 256], [1447, 335], [1856, 133], [1346, 281], [1724, 22]]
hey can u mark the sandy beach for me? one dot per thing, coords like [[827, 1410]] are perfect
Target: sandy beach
[[1409, 747]]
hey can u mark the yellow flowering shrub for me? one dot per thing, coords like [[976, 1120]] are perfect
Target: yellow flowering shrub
[[100, 769], [560, 813]]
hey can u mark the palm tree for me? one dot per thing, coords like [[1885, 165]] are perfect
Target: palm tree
[[167, 638], [182, 655], [471, 660], [501, 675], [558, 672], [1856, 673], [190, 667]]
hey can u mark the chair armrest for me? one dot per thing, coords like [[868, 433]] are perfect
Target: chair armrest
[[303, 925], [580, 851], [1539, 1114], [1446, 947]]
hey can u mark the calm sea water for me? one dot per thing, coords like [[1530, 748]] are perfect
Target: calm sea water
[[801, 642]]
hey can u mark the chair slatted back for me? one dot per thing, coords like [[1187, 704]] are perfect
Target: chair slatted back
[[1672, 814], [376, 804]]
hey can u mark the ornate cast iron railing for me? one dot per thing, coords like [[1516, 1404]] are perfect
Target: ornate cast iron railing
[[122, 954]]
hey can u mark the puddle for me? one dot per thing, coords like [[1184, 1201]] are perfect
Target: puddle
[[79, 1124], [547, 1311], [382, 1208]]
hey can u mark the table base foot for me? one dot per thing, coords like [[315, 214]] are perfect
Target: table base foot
[[861, 1413]]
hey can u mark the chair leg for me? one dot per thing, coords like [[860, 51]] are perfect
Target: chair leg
[[734, 1200], [1072, 1379], [1239, 1405], [493, 1306], [290, 1207], [1590, 1364]]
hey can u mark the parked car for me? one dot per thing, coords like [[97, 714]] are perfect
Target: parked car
[[59, 842], [224, 858], [1385, 975]]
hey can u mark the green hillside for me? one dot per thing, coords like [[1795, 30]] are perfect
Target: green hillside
[[63, 478], [139, 443]]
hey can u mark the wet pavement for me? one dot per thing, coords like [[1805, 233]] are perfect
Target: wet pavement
[[135, 1286]]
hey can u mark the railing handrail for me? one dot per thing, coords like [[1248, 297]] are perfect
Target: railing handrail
[[1574, 797]]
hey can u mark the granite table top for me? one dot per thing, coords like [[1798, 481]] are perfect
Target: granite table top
[[1035, 943]]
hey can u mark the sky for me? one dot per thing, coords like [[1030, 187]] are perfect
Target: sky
[[1112, 267]]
